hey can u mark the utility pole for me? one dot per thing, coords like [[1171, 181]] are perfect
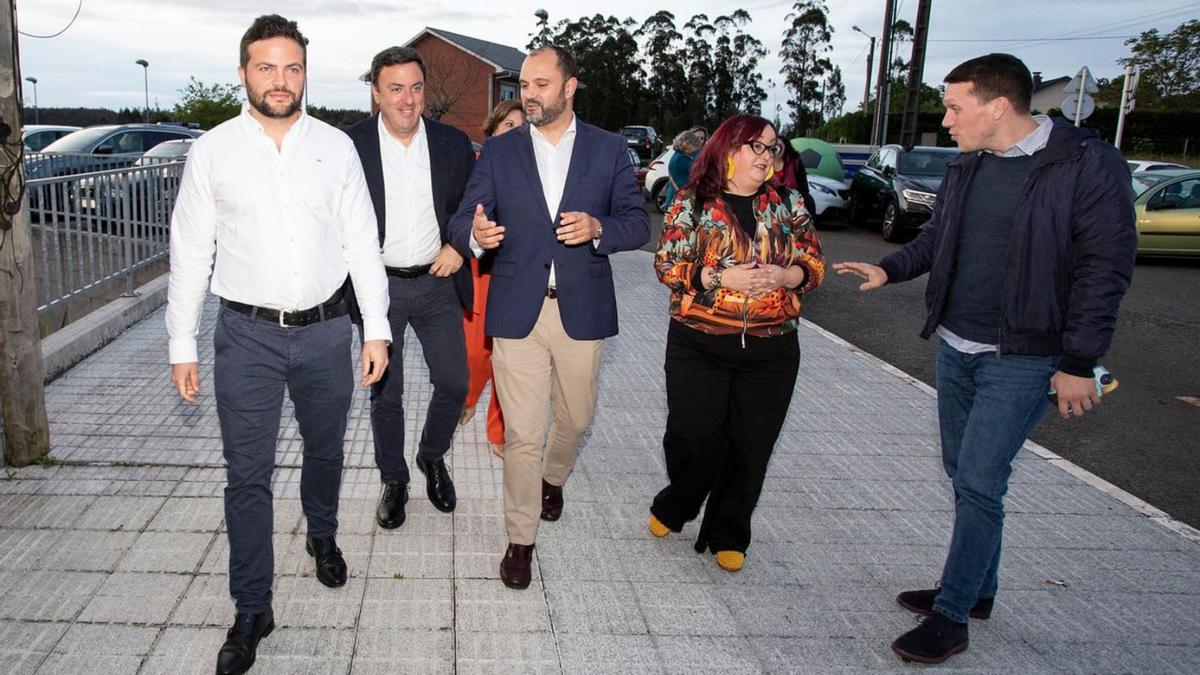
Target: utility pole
[[22, 395], [884, 85], [909, 135]]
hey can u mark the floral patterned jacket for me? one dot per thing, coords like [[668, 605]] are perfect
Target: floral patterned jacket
[[711, 237]]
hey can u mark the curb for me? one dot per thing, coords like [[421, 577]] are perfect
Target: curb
[[1141, 506], [64, 348]]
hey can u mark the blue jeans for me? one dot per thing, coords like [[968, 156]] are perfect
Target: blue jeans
[[255, 360], [986, 409]]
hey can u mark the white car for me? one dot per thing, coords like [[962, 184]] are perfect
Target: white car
[[831, 198], [656, 178], [38, 136], [1136, 165]]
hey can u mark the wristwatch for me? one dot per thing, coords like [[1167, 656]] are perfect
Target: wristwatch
[[599, 233]]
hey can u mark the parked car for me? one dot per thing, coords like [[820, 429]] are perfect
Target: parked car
[[150, 192], [639, 171], [37, 136], [109, 146], [830, 198], [1168, 215], [656, 179], [1138, 165], [643, 139], [898, 186]]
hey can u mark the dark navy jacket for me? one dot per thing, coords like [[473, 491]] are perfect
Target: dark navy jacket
[[1070, 259], [600, 183]]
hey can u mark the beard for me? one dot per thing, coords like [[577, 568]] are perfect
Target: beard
[[546, 114], [259, 101]]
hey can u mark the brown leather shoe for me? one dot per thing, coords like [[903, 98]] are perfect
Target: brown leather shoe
[[552, 501], [515, 568]]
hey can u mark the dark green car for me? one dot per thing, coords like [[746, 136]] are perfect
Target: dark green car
[[897, 187]]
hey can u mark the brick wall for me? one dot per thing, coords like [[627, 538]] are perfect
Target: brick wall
[[454, 73]]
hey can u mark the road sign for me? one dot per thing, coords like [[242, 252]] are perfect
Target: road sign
[[1071, 105], [1084, 77], [1079, 104]]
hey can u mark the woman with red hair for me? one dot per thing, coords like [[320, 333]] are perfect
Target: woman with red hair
[[737, 254]]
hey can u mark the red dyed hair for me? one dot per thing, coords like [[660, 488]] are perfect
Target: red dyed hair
[[707, 178]]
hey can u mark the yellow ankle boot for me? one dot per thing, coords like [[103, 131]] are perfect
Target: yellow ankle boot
[[731, 561], [657, 528]]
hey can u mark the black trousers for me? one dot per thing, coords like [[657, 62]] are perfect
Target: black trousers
[[255, 361], [725, 408], [430, 305]]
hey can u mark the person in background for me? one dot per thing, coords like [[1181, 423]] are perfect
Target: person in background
[[506, 116], [687, 146], [738, 255], [791, 174]]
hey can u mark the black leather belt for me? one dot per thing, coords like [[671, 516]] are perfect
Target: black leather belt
[[551, 292], [408, 272], [330, 309]]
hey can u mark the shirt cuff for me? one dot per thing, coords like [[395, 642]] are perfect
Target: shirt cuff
[[182, 350], [475, 247], [376, 329]]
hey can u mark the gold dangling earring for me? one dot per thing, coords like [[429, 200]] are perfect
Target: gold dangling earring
[[770, 172], [729, 168]]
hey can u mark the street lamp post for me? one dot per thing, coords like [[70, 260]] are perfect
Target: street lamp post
[[36, 118], [870, 64], [145, 84]]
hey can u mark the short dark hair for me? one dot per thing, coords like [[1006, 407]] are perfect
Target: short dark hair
[[395, 56], [996, 75], [566, 62], [270, 26]]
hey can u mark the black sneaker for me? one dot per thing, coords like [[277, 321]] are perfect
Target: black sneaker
[[934, 641], [921, 602]]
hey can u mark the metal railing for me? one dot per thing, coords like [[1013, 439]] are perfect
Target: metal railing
[[54, 164], [99, 228]]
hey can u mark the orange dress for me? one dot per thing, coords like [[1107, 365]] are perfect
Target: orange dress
[[479, 355]]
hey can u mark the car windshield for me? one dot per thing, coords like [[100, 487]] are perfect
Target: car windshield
[[633, 132], [925, 163], [1144, 181], [80, 141], [164, 150]]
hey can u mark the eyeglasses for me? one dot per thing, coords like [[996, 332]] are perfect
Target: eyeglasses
[[758, 148]]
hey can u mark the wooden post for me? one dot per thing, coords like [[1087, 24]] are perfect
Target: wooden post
[[22, 396]]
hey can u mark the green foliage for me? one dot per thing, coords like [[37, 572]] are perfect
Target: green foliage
[[208, 105], [1170, 65], [338, 117], [805, 64]]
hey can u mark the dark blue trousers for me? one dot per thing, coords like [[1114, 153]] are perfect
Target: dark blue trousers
[[986, 409], [255, 360], [430, 305]]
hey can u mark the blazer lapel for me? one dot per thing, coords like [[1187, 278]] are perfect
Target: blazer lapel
[[438, 171], [372, 163], [529, 163], [580, 157]]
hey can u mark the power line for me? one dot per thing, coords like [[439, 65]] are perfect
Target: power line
[[54, 35], [1054, 39]]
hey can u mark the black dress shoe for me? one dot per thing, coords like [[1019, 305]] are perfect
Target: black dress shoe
[[331, 566], [516, 565], [438, 484], [241, 642], [390, 513], [921, 602], [934, 641], [552, 501]]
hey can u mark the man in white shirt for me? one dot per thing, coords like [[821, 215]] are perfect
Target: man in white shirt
[[416, 170], [553, 199], [280, 199]]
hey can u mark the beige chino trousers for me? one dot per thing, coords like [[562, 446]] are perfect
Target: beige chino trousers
[[546, 371]]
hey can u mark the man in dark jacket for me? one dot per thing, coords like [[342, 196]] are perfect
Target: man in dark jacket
[[1029, 252], [416, 170]]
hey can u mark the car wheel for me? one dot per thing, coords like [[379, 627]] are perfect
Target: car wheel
[[893, 223], [656, 196], [857, 217]]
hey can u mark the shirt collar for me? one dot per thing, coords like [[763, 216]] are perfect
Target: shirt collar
[[570, 132], [1035, 141], [252, 124], [419, 137]]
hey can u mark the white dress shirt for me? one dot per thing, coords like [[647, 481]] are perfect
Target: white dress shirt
[[553, 163], [412, 235], [286, 226]]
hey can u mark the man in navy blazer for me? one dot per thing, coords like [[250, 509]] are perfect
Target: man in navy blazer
[[551, 201], [416, 170]]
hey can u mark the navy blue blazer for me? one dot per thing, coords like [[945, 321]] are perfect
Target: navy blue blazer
[[450, 160], [600, 183]]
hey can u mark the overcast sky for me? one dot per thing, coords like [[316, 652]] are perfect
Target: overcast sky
[[92, 63]]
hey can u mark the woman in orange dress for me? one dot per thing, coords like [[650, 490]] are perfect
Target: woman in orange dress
[[506, 116]]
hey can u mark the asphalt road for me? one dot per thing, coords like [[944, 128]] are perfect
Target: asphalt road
[[1143, 438]]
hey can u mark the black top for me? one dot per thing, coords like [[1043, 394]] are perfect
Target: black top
[[743, 209]]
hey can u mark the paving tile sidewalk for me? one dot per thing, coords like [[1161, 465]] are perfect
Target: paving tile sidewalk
[[115, 561]]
